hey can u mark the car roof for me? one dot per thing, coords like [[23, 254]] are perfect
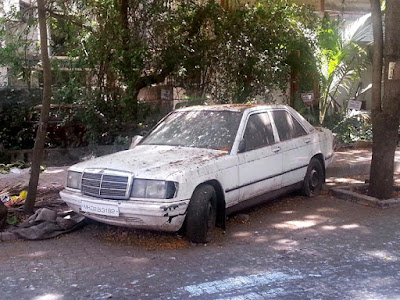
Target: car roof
[[232, 107], [249, 108]]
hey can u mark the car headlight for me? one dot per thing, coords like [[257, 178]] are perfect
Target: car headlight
[[74, 180], [156, 189]]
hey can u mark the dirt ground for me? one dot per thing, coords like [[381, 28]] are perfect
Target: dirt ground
[[291, 248], [52, 176]]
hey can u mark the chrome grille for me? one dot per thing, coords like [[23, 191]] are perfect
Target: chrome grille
[[106, 183]]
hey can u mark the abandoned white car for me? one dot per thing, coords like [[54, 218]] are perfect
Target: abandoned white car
[[200, 164]]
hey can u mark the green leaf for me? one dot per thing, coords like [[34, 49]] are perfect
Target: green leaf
[[13, 220]]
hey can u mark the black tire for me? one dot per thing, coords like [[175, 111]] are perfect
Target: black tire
[[202, 215], [314, 179]]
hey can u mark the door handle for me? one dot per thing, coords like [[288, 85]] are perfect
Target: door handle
[[276, 149], [307, 140]]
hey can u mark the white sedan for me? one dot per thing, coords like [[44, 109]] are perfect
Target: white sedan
[[200, 164]]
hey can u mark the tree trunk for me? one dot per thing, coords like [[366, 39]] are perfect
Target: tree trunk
[[385, 112], [384, 132], [128, 72], [44, 113]]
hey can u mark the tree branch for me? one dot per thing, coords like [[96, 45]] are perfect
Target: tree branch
[[69, 18]]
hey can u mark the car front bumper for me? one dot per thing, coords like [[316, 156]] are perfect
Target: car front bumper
[[145, 214]]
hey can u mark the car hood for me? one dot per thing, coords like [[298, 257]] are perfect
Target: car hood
[[149, 161]]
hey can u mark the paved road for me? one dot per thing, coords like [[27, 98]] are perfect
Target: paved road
[[295, 248]]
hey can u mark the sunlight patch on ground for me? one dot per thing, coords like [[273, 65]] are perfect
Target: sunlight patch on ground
[[37, 254], [295, 224], [350, 226], [242, 234], [287, 242], [261, 239], [358, 159], [315, 217], [327, 209], [287, 212], [334, 180], [329, 227], [382, 254], [48, 297], [135, 260]]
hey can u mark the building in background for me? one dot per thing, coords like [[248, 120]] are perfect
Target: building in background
[[28, 37]]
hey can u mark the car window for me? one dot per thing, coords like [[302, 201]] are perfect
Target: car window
[[197, 129], [304, 122], [283, 123], [298, 129], [287, 126], [258, 132]]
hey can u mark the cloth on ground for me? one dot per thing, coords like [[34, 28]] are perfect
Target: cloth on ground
[[46, 223]]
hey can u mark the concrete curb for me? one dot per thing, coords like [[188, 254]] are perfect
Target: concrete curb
[[348, 193], [7, 236]]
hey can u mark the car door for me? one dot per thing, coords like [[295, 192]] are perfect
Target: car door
[[295, 146], [260, 161]]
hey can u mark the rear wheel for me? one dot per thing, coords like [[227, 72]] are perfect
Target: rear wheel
[[202, 214], [314, 179]]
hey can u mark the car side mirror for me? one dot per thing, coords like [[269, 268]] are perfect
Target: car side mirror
[[135, 140], [242, 146]]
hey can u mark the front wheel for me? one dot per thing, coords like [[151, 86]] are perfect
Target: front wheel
[[202, 214], [314, 179]]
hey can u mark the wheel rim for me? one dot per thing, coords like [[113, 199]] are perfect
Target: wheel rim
[[210, 217], [314, 180]]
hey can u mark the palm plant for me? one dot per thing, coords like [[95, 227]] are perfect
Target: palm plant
[[342, 56]]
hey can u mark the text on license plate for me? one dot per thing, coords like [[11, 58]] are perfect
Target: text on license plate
[[100, 209]]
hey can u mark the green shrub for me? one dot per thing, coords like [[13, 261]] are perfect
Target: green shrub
[[351, 127]]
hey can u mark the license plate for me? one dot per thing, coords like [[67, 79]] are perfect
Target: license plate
[[100, 209]]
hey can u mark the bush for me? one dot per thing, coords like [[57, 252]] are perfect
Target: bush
[[17, 130], [350, 127]]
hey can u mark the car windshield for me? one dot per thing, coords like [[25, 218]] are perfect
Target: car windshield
[[198, 129]]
